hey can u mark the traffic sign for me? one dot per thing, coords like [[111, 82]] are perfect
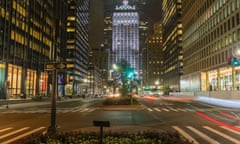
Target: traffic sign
[[50, 66], [61, 66]]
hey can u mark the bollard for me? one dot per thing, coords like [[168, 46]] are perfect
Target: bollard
[[101, 124]]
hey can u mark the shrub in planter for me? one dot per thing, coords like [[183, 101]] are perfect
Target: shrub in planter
[[119, 101], [147, 137]]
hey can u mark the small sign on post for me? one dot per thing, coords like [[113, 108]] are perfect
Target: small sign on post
[[101, 124], [61, 66], [49, 67]]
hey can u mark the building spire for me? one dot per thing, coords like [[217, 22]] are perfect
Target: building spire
[[125, 2]]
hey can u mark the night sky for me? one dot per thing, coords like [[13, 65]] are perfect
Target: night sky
[[153, 11]]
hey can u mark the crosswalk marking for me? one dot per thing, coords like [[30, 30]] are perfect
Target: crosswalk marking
[[48, 111], [233, 131], [5, 129], [157, 109], [204, 136], [23, 135], [149, 109], [91, 110], [14, 132], [13, 135], [222, 135], [85, 109], [186, 135], [173, 109], [183, 110], [165, 109]]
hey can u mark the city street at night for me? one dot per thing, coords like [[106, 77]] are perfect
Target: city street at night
[[195, 121], [151, 71]]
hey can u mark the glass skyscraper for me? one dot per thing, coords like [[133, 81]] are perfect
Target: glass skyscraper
[[125, 36]]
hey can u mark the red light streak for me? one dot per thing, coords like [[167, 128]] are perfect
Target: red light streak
[[230, 116], [217, 122]]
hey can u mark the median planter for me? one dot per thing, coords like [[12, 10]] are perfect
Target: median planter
[[120, 101], [145, 137]]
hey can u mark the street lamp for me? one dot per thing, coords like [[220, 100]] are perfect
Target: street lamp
[[156, 83]]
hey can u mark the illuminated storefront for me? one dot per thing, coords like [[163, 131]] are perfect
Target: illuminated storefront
[[221, 79], [21, 84], [14, 78], [2, 80], [43, 83]]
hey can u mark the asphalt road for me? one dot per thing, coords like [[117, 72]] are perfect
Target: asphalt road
[[197, 122]]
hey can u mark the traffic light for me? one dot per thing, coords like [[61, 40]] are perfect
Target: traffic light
[[229, 60], [235, 62]]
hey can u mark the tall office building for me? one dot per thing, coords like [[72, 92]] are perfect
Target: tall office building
[[172, 43], [77, 45], [125, 36], [140, 6], [27, 42], [210, 44], [153, 58]]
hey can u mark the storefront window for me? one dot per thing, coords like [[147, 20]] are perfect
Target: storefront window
[[237, 78], [226, 79], [2, 80], [43, 83], [213, 80], [14, 81], [31, 83]]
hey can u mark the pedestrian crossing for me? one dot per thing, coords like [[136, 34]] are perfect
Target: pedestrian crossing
[[167, 109], [10, 135], [196, 134], [211, 135], [74, 110], [175, 109]]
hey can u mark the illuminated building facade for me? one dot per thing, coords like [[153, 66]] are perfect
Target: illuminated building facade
[[125, 36], [153, 58], [77, 45], [172, 43], [140, 6], [211, 41], [27, 42]]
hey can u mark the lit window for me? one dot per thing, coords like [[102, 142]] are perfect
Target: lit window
[[70, 29], [71, 18]]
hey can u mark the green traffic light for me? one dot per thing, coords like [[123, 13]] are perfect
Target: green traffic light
[[235, 62]]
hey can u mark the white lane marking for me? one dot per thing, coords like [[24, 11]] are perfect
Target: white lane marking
[[156, 109], [5, 129], [233, 131], [204, 136], [14, 132], [183, 110], [222, 135], [91, 110], [165, 109], [186, 135], [23, 135], [76, 110], [173, 109], [85, 109], [149, 109]]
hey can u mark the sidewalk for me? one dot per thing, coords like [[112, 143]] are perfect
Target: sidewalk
[[14, 104], [204, 99], [219, 102]]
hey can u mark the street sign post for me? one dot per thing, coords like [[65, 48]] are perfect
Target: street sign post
[[52, 130], [49, 67], [60, 66], [52, 66]]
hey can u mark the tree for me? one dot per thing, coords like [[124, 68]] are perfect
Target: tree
[[126, 74]]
